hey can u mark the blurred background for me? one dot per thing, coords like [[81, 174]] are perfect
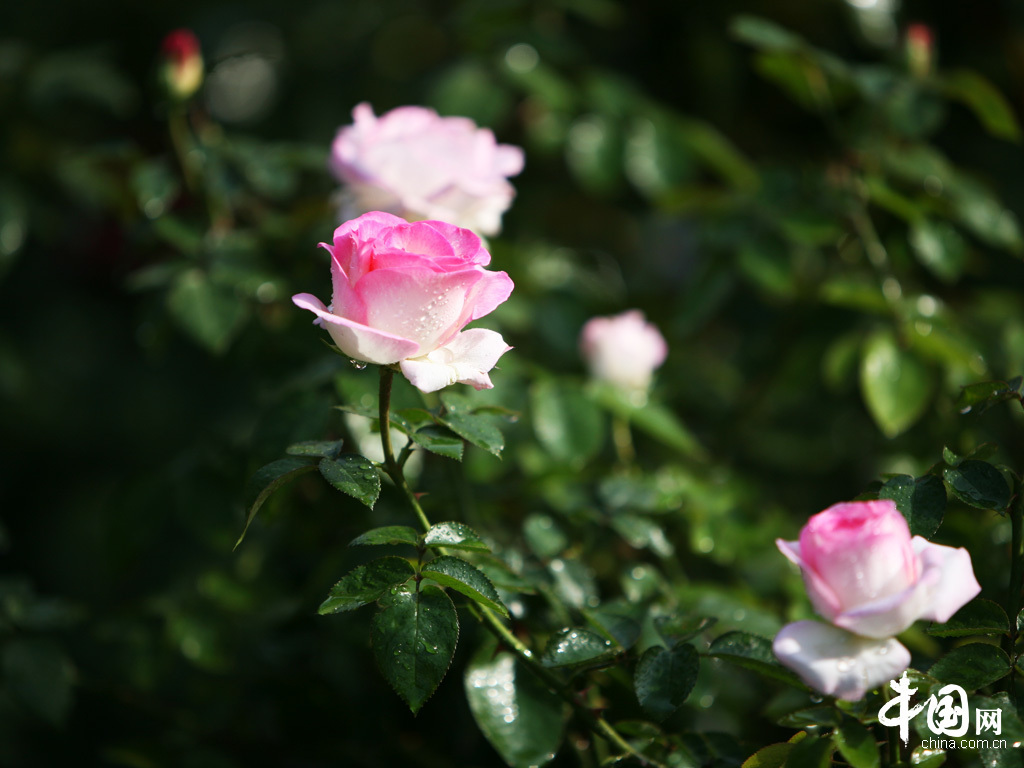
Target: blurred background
[[818, 210]]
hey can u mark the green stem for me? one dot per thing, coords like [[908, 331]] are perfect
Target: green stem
[[623, 440], [596, 723]]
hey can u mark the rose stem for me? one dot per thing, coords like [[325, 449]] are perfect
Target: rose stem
[[595, 723]]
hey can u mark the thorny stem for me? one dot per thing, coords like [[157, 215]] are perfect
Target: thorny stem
[[488, 618]]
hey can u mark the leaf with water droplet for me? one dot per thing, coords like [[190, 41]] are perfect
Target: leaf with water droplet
[[664, 678], [367, 583], [752, 652], [679, 629], [320, 449], [617, 621], [388, 534], [575, 645], [922, 502], [408, 624], [267, 480], [353, 475], [978, 484], [477, 428], [453, 535], [978, 398], [927, 758], [520, 718], [466, 578]]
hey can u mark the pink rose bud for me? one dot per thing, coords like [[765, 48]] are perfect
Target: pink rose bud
[[868, 577], [403, 293], [418, 165], [623, 350], [920, 49], [182, 70]]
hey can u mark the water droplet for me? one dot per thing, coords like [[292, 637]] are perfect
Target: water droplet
[[965, 410], [817, 699], [844, 665], [883, 650], [358, 364]]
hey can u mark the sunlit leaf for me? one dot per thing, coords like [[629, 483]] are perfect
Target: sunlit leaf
[[466, 578], [896, 385], [367, 583], [353, 475]]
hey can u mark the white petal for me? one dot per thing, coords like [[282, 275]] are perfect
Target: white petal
[[836, 662], [955, 584], [465, 359]]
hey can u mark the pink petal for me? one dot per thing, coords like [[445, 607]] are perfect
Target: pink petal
[[836, 662], [954, 585], [358, 341], [822, 597], [484, 297], [418, 238], [352, 241], [466, 359]]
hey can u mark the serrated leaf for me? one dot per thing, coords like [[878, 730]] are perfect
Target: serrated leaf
[[477, 428], [856, 744], [267, 480], [972, 666], [463, 577], [453, 535], [664, 678], [754, 653], [320, 449], [575, 645], [679, 629], [388, 534], [414, 636], [567, 424], [896, 385], [520, 718], [978, 617], [978, 484], [354, 475], [922, 502], [367, 583], [439, 440]]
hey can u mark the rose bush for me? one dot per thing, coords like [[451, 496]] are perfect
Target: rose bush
[[865, 574], [416, 164], [403, 293], [623, 349]]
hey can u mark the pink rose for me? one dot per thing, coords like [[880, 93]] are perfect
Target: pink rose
[[867, 576], [414, 163], [623, 350], [403, 293]]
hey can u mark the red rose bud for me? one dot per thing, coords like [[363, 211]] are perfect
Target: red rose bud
[[920, 44], [182, 69]]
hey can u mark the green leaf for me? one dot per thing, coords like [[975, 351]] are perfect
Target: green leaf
[[568, 425], [575, 645], [355, 475], [922, 502], [812, 752], [211, 314], [367, 583], [520, 718], [477, 428], [320, 449], [389, 534], [664, 678], [772, 756], [439, 440], [463, 577], [978, 398], [454, 535], [972, 666], [679, 629], [38, 673], [616, 623], [414, 637], [896, 385], [642, 533], [856, 744], [818, 715], [939, 247], [978, 617], [544, 536], [652, 418], [927, 758], [754, 653], [985, 100], [764, 34], [978, 484], [267, 480]]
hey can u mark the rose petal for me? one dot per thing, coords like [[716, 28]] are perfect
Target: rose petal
[[839, 663], [822, 597], [466, 359], [954, 585], [358, 341]]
